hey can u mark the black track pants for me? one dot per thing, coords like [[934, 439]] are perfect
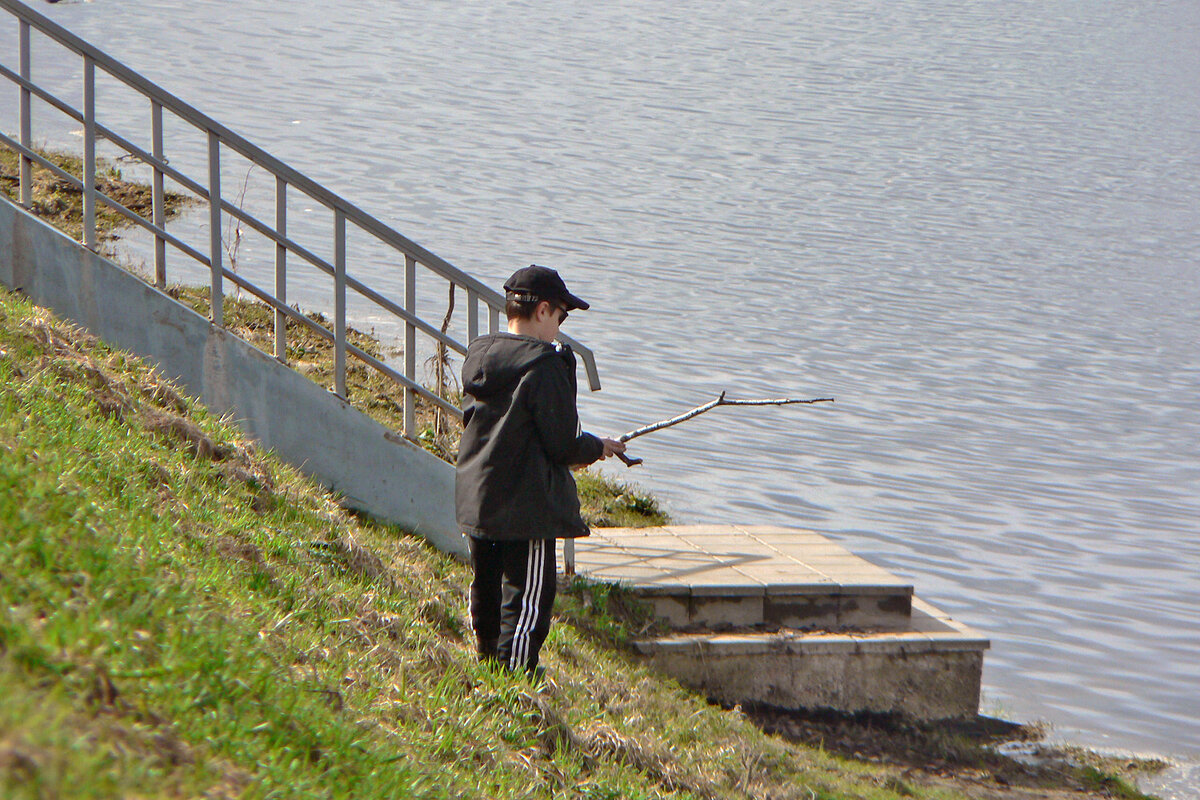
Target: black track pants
[[512, 596]]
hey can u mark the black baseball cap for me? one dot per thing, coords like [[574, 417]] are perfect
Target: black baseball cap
[[534, 283]]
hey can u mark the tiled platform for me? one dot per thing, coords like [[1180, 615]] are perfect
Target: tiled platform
[[722, 576], [786, 617]]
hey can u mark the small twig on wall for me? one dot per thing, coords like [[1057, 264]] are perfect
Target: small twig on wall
[[698, 410], [443, 381], [233, 232]]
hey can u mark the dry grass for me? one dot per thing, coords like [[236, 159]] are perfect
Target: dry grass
[[61, 204]]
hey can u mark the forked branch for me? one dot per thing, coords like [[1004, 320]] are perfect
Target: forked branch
[[698, 410]]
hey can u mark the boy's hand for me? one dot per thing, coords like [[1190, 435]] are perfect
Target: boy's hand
[[611, 447]]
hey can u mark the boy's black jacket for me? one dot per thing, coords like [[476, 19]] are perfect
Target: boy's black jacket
[[520, 436]]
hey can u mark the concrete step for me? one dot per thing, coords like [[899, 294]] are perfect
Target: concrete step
[[718, 577], [931, 670]]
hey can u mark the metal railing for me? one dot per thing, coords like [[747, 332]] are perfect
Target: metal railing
[[479, 296]]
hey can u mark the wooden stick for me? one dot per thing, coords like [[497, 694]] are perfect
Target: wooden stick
[[697, 411]]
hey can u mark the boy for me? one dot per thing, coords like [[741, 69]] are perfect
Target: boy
[[514, 494]]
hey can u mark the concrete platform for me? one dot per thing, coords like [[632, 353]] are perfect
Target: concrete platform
[[785, 617], [714, 577]]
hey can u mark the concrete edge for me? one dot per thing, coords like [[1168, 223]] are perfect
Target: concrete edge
[[953, 637], [795, 643]]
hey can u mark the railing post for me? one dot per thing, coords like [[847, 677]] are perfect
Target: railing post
[[281, 269], [493, 320], [217, 298], [410, 346], [156, 190], [26, 121], [339, 303], [568, 556], [89, 153], [472, 315]]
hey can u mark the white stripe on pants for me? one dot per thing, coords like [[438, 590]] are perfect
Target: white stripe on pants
[[530, 605]]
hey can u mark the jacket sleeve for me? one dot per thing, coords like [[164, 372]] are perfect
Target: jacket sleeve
[[552, 405]]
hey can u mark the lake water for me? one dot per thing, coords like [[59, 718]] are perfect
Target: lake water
[[976, 224]]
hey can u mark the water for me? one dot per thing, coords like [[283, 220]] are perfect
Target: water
[[976, 224]]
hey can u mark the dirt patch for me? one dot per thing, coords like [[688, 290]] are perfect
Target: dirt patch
[[20, 762], [233, 548], [958, 754], [184, 432]]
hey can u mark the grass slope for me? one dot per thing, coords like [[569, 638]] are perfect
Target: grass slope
[[185, 616]]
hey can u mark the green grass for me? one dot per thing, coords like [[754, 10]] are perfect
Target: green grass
[[185, 616], [609, 503]]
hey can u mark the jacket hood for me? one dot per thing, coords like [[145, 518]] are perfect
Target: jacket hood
[[496, 361]]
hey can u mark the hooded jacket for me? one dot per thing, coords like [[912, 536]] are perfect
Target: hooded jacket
[[520, 437]]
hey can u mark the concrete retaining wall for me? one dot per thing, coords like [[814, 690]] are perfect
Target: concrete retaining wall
[[375, 469], [931, 671], [877, 675]]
